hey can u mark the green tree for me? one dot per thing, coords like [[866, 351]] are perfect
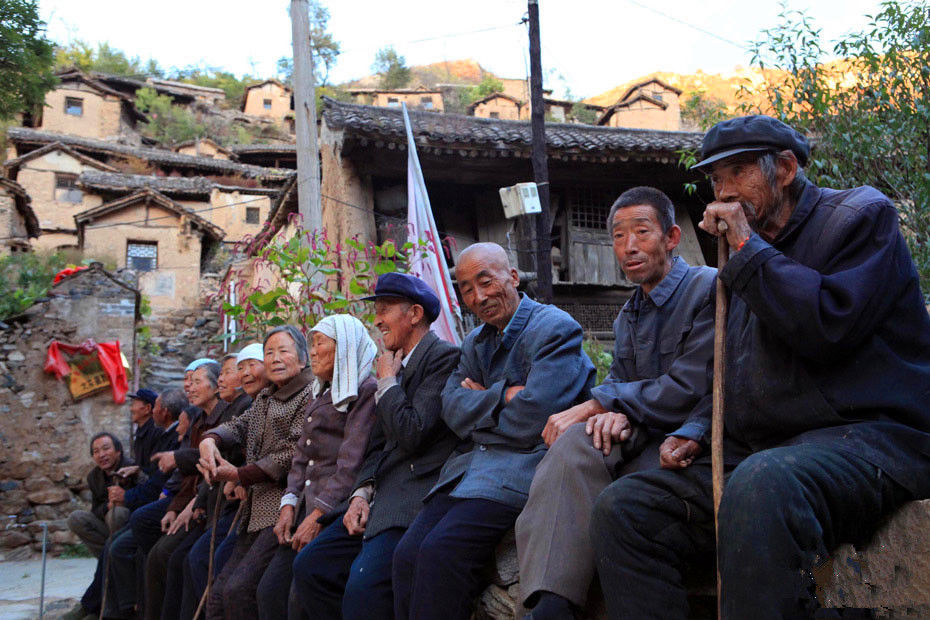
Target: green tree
[[105, 59], [26, 58], [215, 77], [25, 278], [703, 111], [392, 67], [167, 123], [869, 114], [323, 46]]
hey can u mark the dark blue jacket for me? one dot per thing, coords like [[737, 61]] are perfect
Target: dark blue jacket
[[828, 338]]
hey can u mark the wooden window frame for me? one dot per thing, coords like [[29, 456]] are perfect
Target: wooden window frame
[[131, 242]]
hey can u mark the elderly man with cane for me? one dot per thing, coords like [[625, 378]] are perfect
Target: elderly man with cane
[[827, 372]]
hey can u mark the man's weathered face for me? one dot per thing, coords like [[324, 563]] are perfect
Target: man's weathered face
[[188, 376], [392, 317], [641, 248], [160, 414], [252, 376], [104, 453], [489, 287], [740, 179], [229, 380], [139, 411]]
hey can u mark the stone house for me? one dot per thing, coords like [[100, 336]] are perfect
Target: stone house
[[498, 105], [465, 161], [417, 98], [165, 242], [270, 99], [277, 155], [83, 106], [204, 147], [652, 104], [49, 176], [18, 222]]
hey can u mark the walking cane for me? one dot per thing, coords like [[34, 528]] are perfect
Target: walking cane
[[716, 428], [232, 526], [106, 579]]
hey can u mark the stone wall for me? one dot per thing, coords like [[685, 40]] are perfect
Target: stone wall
[[44, 433]]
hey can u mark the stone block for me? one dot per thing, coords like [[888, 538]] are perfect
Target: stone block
[[63, 538], [11, 539], [54, 495], [18, 554], [10, 485], [37, 483], [45, 513]]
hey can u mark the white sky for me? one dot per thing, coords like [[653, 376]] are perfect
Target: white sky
[[595, 45]]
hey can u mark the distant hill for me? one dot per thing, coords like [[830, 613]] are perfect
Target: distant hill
[[466, 71]]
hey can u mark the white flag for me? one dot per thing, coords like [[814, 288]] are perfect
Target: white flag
[[421, 225]]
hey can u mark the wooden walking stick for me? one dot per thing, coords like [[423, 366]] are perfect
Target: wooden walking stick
[[716, 428], [206, 593]]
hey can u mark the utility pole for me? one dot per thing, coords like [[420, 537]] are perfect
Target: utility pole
[[540, 163], [308, 152]]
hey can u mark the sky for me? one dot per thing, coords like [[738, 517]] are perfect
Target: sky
[[588, 46]]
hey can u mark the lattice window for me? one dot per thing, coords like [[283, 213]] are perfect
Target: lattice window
[[252, 215], [589, 207], [593, 317], [142, 256], [266, 103], [66, 189]]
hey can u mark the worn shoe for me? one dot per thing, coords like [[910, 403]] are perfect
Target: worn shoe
[[551, 607]]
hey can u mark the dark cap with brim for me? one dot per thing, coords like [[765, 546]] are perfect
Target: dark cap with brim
[[145, 395], [751, 133], [407, 287]]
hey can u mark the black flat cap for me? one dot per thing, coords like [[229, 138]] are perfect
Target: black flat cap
[[408, 287], [751, 133]]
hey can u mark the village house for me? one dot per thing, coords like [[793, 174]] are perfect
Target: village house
[[270, 99], [651, 104], [18, 222], [275, 155], [204, 147], [420, 98], [465, 161], [506, 107], [165, 242]]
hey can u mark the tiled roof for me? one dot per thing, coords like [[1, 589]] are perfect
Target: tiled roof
[[156, 156], [453, 131], [172, 186]]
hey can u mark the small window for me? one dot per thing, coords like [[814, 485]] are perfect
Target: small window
[[393, 102], [266, 103], [252, 215], [426, 102], [66, 189], [74, 106], [494, 114], [142, 256]]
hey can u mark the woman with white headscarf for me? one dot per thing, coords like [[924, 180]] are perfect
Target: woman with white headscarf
[[330, 450]]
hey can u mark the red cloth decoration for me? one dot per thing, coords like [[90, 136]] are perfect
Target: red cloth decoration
[[107, 352], [64, 273]]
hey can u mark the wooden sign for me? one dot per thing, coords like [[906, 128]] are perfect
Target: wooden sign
[[87, 375]]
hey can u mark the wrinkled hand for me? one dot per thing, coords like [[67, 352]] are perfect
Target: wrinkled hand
[[282, 529], [307, 530], [471, 384], [558, 423], [512, 391], [165, 461], [607, 429], [183, 519], [226, 471], [678, 452], [115, 495], [168, 520], [128, 471], [233, 490], [209, 454], [241, 493], [732, 215], [389, 363], [356, 517]]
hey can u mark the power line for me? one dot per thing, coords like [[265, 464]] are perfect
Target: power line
[[687, 24], [163, 217]]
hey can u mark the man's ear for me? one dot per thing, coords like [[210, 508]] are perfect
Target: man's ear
[[786, 168], [416, 314], [672, 238], [515, 276]]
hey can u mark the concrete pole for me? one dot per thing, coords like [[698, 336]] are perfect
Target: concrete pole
[[540, 161], [308, 153]]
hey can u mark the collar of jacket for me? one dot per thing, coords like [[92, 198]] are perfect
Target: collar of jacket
[[517, 322], [290, 389], [810, 196], [147, 428], [210, 420], [419, 350], [669, 284]]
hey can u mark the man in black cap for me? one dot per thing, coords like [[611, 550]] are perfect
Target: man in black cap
[[827, 375], [346, 571]]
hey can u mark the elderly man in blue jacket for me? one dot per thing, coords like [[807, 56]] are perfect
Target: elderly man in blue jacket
[[524, 364], [827, 384]]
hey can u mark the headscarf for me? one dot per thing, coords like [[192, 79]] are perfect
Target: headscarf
[[198, 363], [355, 353], [254, 351]]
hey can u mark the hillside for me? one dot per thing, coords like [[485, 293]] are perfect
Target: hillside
[[466, 71]]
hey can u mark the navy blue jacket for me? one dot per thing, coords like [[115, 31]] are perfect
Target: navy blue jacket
[[828, 338], [541, 350]]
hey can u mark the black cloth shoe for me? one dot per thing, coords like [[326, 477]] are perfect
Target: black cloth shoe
[[551, 606]]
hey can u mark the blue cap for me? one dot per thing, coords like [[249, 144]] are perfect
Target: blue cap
[[198, 363], [409, 287], [145, 395], [751, 133]]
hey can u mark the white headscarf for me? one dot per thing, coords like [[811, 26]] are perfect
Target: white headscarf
[[355, 353]]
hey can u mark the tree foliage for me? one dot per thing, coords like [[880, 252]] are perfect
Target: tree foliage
[[703, 111], [26, 58], [105, 59], [323, 46], [214, 77], [392, 67], [167, 123], [25, 278], [868, 115]]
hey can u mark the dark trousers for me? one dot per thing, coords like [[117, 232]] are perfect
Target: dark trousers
[[233, 593], [166, 604], [438, 562], [339, 575], [123, 575], [783, 511], [92, 598], [197, 563], [145, 523], [274, 589]]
